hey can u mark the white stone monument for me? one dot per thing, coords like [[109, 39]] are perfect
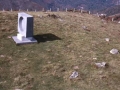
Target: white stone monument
[[25, 29]]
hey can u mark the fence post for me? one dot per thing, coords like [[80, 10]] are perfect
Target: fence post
[[50, 9], [81, 11], [11, 10], [89, 12], [43, 9], [74, 10], [3, 10], [58, 9], [66, 10], [112, 19]]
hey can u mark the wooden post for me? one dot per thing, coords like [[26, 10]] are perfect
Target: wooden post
[[43, 9], [50, 9], [97, 14], [112, 19], [11, 10], [66, 10], [58, 9], [3, 10], [74, 10], [81, 11], [89, 12]]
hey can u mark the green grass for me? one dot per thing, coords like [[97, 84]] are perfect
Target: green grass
[[48, 65]]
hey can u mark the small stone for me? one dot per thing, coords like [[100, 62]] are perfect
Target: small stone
[[80, 56], [95, 58], [60, 19], [48, 62], [25, 59], [18, 89], [114, 51], [107, 39], [74, 75], [9, 36], [2, 55], [76, 67], [84, 27], [40, 16], [101, 65], [10, 57]]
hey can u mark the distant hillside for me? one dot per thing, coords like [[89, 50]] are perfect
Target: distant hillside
[[111, 11], [19, 4], [93, 5]]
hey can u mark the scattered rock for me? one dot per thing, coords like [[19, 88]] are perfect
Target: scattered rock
[[101, 65], [75, 67], [74, 75], [85, 28], [25, 59], [60, 19], [114, 51], [94, 58], [17, 79], [48, 62], [10, 57], [9, 37], [4, 82], [107, 39], [40, 16], [2, 55]]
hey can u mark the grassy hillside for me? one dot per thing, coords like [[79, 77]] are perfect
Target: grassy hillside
[[63, 47]]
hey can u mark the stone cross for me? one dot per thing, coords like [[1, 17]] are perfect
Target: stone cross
[[25, 29]]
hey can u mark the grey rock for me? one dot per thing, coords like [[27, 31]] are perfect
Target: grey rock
[[74, 75], [101, 65], [114, 51]]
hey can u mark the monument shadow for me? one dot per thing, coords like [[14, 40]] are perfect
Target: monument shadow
[[46, 37]]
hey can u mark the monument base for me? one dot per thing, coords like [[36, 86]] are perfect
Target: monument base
[[25, 41]]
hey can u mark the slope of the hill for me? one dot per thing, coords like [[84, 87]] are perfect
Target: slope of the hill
[[93, 5], [67, 42]]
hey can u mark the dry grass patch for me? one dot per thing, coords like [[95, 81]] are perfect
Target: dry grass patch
[[63, 45]]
